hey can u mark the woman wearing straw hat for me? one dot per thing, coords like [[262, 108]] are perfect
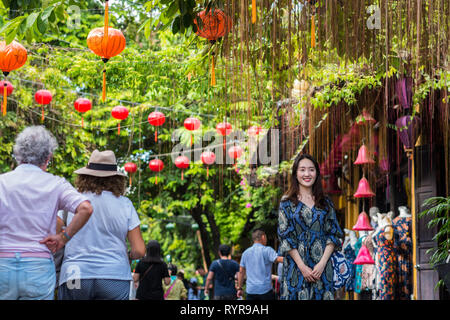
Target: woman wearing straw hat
[[96, 263]]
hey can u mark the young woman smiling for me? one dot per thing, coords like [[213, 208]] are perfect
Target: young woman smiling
[[309, 233]]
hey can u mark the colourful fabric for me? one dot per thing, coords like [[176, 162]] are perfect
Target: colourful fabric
[[403, 251], [387, 266], [350, 255], [358, 267], [178, 291], [308, 230], [368, 272], [29, 201]]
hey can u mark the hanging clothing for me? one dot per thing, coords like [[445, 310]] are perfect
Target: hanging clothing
[[358, 267], [309, 230], [387, 266], [350, 255], [403, 251], [368, 270]]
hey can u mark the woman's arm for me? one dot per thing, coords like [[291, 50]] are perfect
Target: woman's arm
[[319, 267], [137, 243], [304, 269]]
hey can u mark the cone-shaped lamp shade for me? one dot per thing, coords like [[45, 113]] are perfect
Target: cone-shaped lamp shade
[[364, 190], [363, 156], [363, 223], [364, 256]]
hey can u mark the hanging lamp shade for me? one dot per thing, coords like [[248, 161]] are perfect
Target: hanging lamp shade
[[407, 128], [156, 119], [208, 158], [119, 113], [106, 43], [214, 25], [192, 124], [254, 130], [12, 57], [363, 223], [364, 256], [43, 97], [235, 152], [131, 168], [363, 156], [365, 118], [9, 87], [82, 105], [182, 162], [224, 129], [156, 165], [364, 190]]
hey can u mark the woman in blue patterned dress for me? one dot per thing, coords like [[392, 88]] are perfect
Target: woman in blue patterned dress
[[309, 233]]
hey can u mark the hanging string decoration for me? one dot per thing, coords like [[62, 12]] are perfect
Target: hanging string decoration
[[106, 42], [5, 93], [192, 124], [43, 97], [156, 119], [120, 113], [212, 25], [82, 105], [12, 57], [182, 162], [156, 165], [131, 168], [208, 158]]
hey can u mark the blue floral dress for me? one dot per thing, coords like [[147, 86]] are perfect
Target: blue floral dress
[[403, 251], [350, 255], [308, 230]]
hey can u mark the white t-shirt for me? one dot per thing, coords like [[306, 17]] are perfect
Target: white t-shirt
[[99, 249]]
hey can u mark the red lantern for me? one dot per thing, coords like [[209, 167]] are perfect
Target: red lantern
[[7, 91], [208, 158], [224, 129], [156, 165], [363, 156], [182, 162], [254, 130], [120, 113], [364, 190], [131, 168], [82, 105], [235, 152], [364, 256], [363, 223], [43, 97], [156, 119], [192, 124], [12, 57], [215, 25], [365, 118]]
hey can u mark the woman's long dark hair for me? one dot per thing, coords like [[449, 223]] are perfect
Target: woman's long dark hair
[[153, 254], [294, 188]]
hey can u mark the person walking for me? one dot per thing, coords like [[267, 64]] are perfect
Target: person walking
[[193, 291], [175, 290], [150, 272], [30, 198], [309, 233], [223, 272], [256, 265], [96, 264]]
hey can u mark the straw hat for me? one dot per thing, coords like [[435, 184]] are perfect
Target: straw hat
[[101, 164]]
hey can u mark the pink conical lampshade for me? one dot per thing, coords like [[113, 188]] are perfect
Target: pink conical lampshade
[[364, 190], [363, 223], [363, 156], [364, 256]]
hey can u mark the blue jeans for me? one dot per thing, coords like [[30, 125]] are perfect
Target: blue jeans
[[27, 278]]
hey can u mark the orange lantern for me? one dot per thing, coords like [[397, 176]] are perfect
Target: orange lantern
[[106, 42], [12, 57], [313, 23], [215, 25]]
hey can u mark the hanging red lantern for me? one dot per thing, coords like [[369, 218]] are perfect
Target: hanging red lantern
[[82, 105], [254, 130], [364, 190], [156, 119], [120, 113], [182, 162], [131, 168], [156, 165], [365, 118], [7, 91], [192, 124], [363, 156], [224, 129], [363, 223], [215, 25], [235, 152], [12, 57], [43, 97], [208, 158], [364, 256]]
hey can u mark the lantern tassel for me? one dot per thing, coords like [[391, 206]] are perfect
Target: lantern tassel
[[313, 32], [253, 11], [156, 179], [207, 172], [191, 139], [5, 98], [104, 84], [118, 129], [130, 180], [156, 135], [43, 115], [213, 73], [182, 175], [82, 122]]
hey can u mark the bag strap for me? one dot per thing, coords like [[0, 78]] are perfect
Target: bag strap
[[170, 289], [226, 274], [145, 273]]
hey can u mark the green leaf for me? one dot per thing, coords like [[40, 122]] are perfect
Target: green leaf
[[47, 12], [176, 25], [42, 25], [31, 19]]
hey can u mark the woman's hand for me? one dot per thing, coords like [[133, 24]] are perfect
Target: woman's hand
[[307, 273], [318, 270]]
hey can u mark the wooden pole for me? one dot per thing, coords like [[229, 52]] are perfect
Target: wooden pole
[[414, 231], [199, 237]]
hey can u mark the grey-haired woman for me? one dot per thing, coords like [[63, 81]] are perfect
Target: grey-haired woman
[[30, 198]]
